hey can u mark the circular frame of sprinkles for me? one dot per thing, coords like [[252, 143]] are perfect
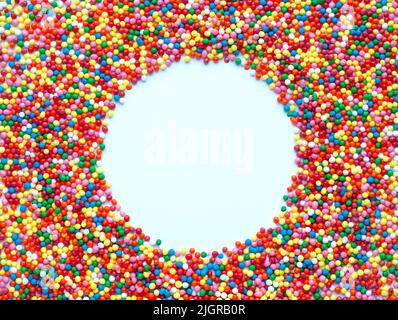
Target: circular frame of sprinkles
[[64, 64]]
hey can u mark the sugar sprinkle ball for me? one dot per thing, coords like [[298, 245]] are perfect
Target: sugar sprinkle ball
[[66, 65]]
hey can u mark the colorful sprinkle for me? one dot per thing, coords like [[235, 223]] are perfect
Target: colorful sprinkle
[[65, 64]]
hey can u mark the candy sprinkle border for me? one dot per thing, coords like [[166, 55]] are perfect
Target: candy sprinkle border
[[64, 65]]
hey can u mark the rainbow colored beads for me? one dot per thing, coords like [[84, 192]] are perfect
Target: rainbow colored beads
[[65, 64]]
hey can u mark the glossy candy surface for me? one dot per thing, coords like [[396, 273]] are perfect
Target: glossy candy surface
[[65, 64]]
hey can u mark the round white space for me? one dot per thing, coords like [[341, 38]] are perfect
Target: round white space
[[200, 155]]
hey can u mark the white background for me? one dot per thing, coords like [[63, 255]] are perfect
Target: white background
[[197, 205]]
